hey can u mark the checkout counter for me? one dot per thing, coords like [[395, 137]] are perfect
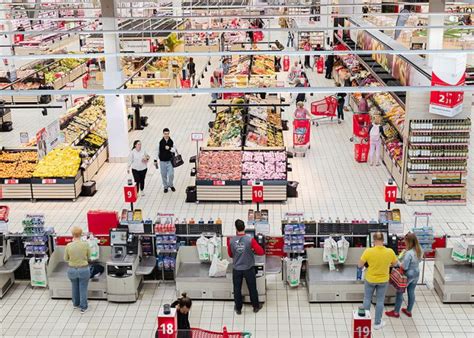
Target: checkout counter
[[340, 285], [124, 270], [453, 281], [8, 264], [192, 277]]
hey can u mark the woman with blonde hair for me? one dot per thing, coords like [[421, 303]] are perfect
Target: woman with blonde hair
[[301, 112], [410, 264], [77, 255]]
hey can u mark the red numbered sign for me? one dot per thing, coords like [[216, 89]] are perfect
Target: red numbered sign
[[257, 193], [130, 193], [390, 193], [167, 324], [362, 326]]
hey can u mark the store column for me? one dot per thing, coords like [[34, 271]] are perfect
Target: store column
[[115, 107], [177, 9], [435, 35], [6, 40]]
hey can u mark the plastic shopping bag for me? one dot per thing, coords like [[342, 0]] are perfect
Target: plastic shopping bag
[[203, 248], [38, 272], [330, 252], [459, 253], [218, 267], [293, 271], [214, 247], [94, 246], [342, 249]]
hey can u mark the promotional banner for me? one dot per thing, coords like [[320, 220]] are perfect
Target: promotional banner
[[384, 60], [47, 138], [401, 70], [448, 103]]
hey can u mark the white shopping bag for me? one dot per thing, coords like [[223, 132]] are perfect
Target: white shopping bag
[[214, 247], [38, 272], [94, 246], [342, 249], [202, 244], [293, 271], [459, 253], [218, 267]]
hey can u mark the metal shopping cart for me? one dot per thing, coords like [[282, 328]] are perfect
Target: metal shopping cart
[[324, 109], [200, 333], [360, 131], [301, 136]]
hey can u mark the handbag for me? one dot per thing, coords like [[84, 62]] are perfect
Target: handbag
[[176, 160], [398, 279]]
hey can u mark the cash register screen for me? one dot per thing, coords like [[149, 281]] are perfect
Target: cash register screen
[[118, 237]]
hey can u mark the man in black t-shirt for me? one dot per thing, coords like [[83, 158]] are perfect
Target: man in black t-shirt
[[165, 153]]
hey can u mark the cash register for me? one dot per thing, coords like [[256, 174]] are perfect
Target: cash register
[[123, 282], [8, 264]]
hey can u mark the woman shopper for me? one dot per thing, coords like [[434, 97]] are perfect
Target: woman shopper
[[379, 259], [183, 305], [341, 99], [301, 112], [138, 162], [191, 67], [410, 264], [307, 58], [77, 255], [375, 137]]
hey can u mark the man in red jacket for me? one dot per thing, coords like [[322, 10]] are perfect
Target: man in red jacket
[[243, 249]]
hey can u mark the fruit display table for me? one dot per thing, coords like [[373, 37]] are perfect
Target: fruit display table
[[55, 188], [16, 168]]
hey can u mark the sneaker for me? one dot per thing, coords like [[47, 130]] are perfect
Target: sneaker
[[166, 190], [258, 308], [239, 312], [75, 307], [379, 326], [173, 189], [142, 194], [83, 311], [405, 311], [392, 314]]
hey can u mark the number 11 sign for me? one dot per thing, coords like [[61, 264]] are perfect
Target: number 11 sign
[[390, 193]]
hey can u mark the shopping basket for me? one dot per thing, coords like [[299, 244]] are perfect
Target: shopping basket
[[360, 125], [322, 109], [186, 83], [361, 152], [320, 65], [301, 135]]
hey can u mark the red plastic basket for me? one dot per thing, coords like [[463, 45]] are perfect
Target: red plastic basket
[[320, 65], [301, 132], [185, 83], [361, 152], [360, 125]]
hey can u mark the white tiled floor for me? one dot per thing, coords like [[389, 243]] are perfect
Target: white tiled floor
[[332, 185]]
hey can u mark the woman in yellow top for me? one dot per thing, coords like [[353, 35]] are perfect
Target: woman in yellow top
[[77, 255], [379, 259]]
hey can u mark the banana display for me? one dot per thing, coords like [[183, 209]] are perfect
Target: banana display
[[59, 162]]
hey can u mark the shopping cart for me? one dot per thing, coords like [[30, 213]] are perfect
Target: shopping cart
[[301, 136], [360, 131], [324, 109], [200, 333]]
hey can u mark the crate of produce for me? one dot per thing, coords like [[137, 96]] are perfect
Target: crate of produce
[[16, 169]]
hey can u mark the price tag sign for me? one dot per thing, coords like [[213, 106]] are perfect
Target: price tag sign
[[257, 193], [130, 193], [390, 193], [362, 326], [218, 183], [167, 324], [197, 137], [11, 181], [49, 181]]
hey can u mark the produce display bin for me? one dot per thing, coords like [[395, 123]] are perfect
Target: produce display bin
[[96, 163], [218, 190], [273, 190], [15, 188], [55, 188]]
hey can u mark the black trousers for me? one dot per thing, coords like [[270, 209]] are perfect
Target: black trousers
[[340, 111], [251, 279], [328, 72], [307, 62], [139, 178]]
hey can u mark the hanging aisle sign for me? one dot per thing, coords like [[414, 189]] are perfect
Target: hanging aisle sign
[[448, 103]]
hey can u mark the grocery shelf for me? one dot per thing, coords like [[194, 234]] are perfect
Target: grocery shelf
[[438, 158], [435, 131], [438, 144]]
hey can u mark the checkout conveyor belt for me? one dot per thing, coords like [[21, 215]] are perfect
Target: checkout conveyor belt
[[200, 271], [11, 264], [320, 274], [459, 274]]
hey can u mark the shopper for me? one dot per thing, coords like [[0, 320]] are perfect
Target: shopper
[[291, 39], [215, 83], [192, 70], [138, 162], [300, 97], [347, 83], [307, 48], [316, 57], [379, 259], [77, 255], [301, 112], [243, 249], [183, 305], [410, 264], [375, 136], [363, 105], [341, 98], [165, 153], [329, 65], [295, 72]]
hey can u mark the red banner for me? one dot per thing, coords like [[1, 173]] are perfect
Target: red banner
[[274, 246]]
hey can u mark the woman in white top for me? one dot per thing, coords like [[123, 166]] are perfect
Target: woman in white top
[[375, 134], [138, 162]]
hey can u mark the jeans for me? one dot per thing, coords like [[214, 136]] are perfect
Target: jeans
[[380, 289], [139, 178], [289, 43], [167, 174], [251, 279], [79, 278], [411, 296]]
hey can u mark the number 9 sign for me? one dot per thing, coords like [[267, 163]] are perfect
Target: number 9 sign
[[130, 193]]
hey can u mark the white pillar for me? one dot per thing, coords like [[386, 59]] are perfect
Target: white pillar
[[6, 40], [177, 9], [115, 107], [435, 35]]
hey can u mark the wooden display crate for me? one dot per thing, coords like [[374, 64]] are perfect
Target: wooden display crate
[[15, 188], [55, 188], [97, 162], [273, 191], [218, 190]]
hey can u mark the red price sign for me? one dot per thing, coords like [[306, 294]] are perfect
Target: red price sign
[[167, 324], [257, 193], [49, 181], [361, 326], [390, 193], [130, 193], [11, 181]]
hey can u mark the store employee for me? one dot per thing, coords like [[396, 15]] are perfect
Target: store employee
[[165, 154], [243, 249]]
